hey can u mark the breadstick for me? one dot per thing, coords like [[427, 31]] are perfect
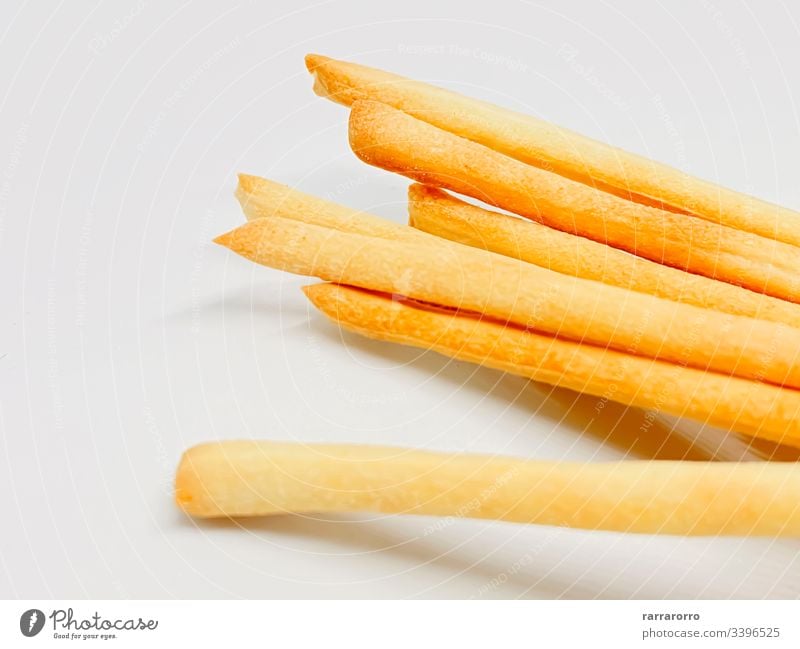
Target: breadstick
[[757, 409], [557, 149], [249, 478], [510, 290], [437, 212], [390, 139], [261, 198]]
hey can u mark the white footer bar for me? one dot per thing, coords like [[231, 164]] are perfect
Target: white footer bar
[[406, 624]]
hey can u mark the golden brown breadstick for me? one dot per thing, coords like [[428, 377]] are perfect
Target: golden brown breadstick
[[560, 150], [261, 198], [437, 212], [441, 272], [440, 214], [390, 139], [757, 409], [249, 478]]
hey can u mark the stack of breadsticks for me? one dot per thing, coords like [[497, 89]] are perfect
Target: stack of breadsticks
[[615, 276]]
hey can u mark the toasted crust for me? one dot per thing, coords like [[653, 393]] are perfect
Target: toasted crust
[[437, 212], [560, 150], [388, 138], [449, 274]]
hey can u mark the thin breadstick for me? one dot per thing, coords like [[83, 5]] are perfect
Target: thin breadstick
[[250, 478], [261, 198], [440, 214], [539, 143], [390, 139], [757, 409], [437, 212], [448, 274]]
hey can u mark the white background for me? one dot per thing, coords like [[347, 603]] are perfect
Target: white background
[[127, 336]]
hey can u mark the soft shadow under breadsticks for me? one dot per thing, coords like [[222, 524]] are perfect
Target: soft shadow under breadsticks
[[732, 403]]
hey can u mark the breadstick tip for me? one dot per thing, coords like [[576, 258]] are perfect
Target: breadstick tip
[[323, 296], [188, 487], [370, 126], [242, 240], [226, 239], [247, 182], [313, 61], [420, 191], [314, 64], [417, 192], [309, 291]]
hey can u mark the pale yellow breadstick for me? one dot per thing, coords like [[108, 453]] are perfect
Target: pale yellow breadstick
[[249, 478], [731, 403], [441, 272], [390, 139], [261, 198], [546, 145], [437, 212]]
